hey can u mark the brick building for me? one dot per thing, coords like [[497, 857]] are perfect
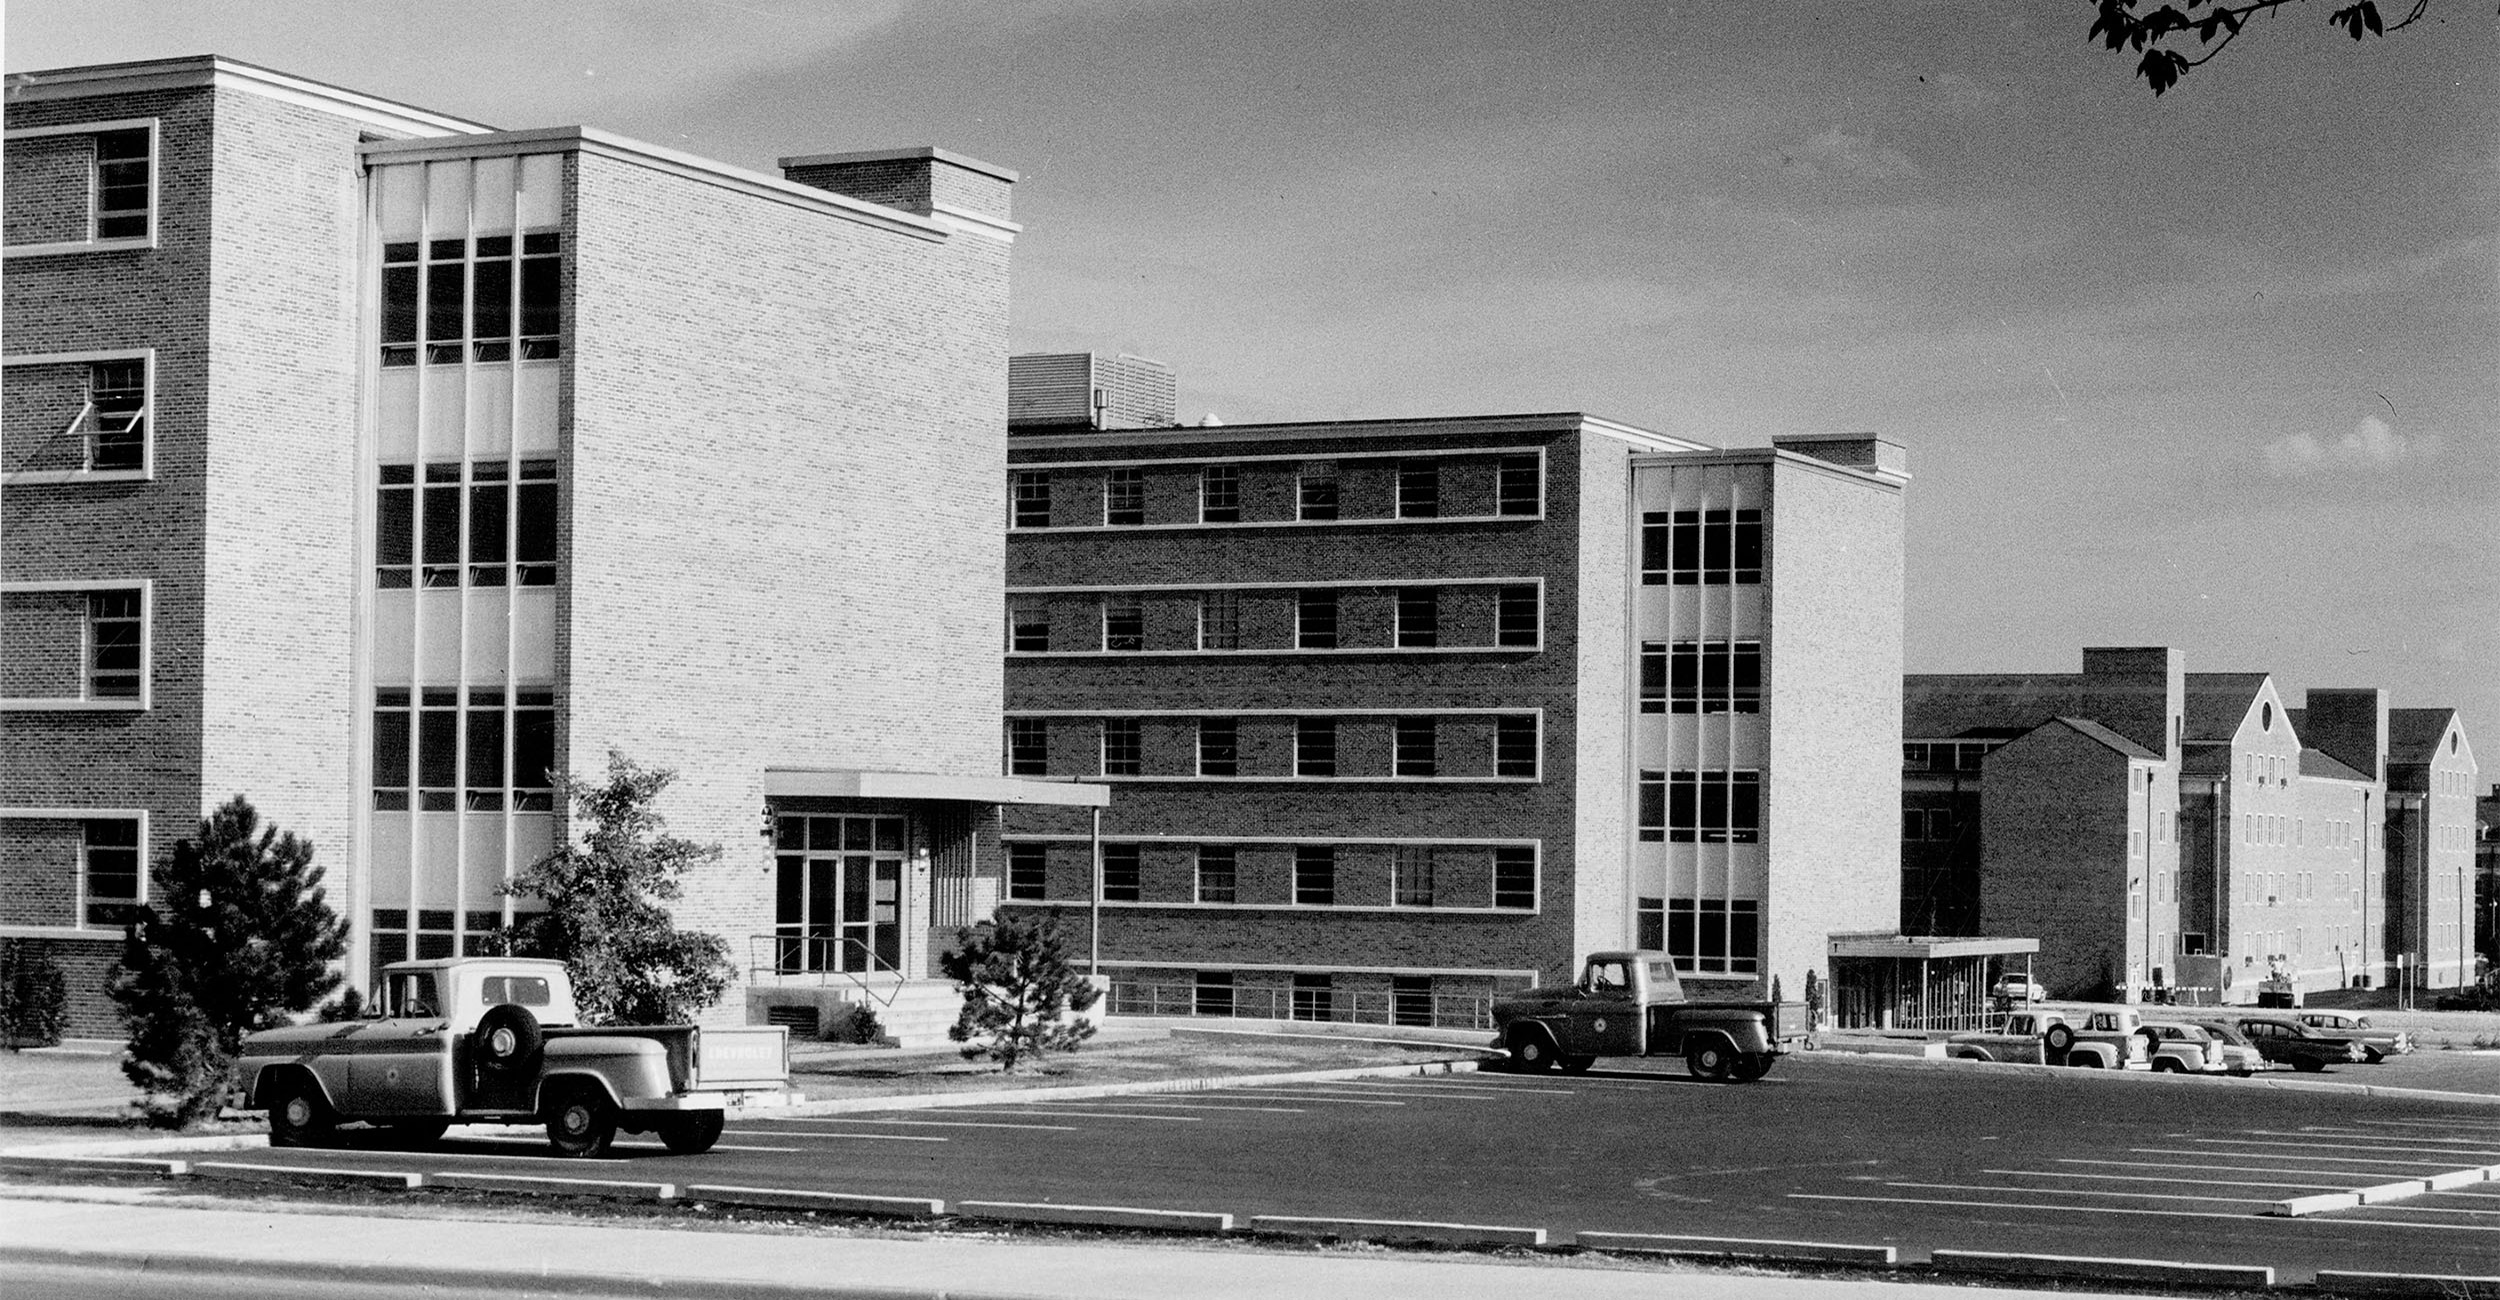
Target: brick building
[[1401, 712], [367, 461]]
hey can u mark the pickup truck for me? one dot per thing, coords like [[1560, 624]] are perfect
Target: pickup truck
[[2107, 1038], [496, 1040], [1631, 1004]]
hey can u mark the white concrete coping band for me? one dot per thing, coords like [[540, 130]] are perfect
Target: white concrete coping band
[[1737, 1248], [2106, 1270], [96, 1165], [1095, 1216], [2458, 1178], [390, 1179], [2421, 1284], [775, 1198], [2297, 1206], [2386, 1192], [1463, 1234], [536, 1185]]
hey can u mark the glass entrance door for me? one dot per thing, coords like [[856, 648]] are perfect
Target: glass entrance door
[[838, 895]]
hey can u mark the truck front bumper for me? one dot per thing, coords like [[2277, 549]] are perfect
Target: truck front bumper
[[724, 1099]]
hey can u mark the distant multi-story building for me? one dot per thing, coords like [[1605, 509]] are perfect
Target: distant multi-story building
[[1401, 712], [2431, 775], [376, 464]]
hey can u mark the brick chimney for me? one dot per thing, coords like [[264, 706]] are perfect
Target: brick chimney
[[926, 181]]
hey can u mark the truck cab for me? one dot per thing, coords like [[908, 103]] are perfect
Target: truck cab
[[1631, 1003]]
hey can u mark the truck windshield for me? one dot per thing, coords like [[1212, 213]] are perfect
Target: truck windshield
[[412, 996], [1608, 977]]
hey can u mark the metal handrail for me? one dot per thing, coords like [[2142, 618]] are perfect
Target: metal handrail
[[781, 945]]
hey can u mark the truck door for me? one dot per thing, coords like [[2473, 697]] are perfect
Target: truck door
[[402, 1066], [1605, 1016]]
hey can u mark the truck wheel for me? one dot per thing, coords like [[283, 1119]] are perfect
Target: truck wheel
[[580, 1123], [2059, 1038], [1531, 1052], [298, 1117], [693, 1133], [506, 1041], [1577, 1064], [2084, 1061], [2308, 1064], [1709, 1060], [2165, 1065], [1751, 1066]]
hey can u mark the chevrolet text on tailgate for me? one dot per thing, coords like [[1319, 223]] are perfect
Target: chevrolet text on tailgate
[[1631, 1004], [496, 1040]]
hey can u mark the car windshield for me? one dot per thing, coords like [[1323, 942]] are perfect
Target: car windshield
[[2226, 1034]]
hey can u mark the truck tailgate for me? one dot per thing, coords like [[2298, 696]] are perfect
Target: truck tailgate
[[754, 1056], [1789, 1020]]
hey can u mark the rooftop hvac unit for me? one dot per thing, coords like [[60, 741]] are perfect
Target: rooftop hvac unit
[[1065, 391]]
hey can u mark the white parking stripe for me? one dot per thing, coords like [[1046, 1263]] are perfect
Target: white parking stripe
[[541, 1144], [2432, 1165], [924, 1123], [2054, 1209], [2061, 1191], [829, 1137], [1319, 1096], [2365, 1176], [2385, 1150], [1068, 1107], [1445, 1090], [2153, 1178], [2410, 1208], [1213, 1105], [2416, 1144]]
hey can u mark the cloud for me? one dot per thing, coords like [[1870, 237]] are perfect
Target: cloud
[[2373, 444], [1834, 152]]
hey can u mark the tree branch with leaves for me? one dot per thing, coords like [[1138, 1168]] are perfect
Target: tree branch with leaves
[[2161, 33]]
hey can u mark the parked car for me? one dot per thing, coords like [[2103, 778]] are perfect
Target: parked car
[[2016, 987], [2238, 1053], [2186, 1049], [2376, 1044], [2283, 1039], [2101, 1039]]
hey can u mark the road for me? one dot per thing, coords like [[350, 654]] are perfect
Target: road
[[1920, 1157]]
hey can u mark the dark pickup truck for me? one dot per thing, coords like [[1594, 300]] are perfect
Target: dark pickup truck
[[1632, 1004]]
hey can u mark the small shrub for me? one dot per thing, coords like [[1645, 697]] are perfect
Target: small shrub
[[33, 999], [350, 1006], [1018, 989], [861, 1027]]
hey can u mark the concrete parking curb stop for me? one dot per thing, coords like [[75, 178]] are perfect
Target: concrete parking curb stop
[[2090, 1269], [1738, 1248], [1448, 1234], [1095, 1216], [2302, 1206], [446, 1276], [774, 1198], [2446, 1286], [145, 1146], [95, 1165], [385, 1180], [535, 1185]]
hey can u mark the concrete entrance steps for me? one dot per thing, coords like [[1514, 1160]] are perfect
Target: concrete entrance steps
[[920, 1013]]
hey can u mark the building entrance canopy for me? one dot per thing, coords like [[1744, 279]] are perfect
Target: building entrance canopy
[[842, 783], [1924, 982]]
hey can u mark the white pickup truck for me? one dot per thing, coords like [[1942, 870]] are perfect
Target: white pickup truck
[[2103, 1038], [497, 1040]]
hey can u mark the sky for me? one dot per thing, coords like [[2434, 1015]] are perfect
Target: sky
[[2215, 370]]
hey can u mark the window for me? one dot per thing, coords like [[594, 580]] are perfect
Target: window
[[1914, 756], [117, 414], [1934, 825], [124, 182], [507, 520], [1028, 625], [1319, 490], [1315, 620], [1419, 617], [1514, 746], [1315, 747], [1701, 677], [1701, 547], [1410, 876], [1713, 807], [109, 867], [1124, 497], [1410, 1000], [1514, 876], [1119, 873], [1219, 747], [1518, 486], [1123, 747], [1219, 494], [1028, 746], [1219, 621], [116, 644], [1417, 753], [1030, 498], [1315, 874], [1028, 871], [1515, 617], [1123, 623], [1714, 936], [499, 750], [1419, 489], [1314, 997], [1649, 921], [455, 302], [1216, 878], [1214, 994]]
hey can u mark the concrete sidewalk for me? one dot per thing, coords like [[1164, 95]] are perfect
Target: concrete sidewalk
[[132, 1230]]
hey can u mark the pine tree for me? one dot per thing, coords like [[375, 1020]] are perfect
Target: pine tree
[[1018, 989], [607, 918], [240, 937]]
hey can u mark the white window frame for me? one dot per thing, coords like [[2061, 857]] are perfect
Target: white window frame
[[1536, 850], [1146, 589], [78, 926], [156, 187], [147, 411], [1339, 458], [83, 702]]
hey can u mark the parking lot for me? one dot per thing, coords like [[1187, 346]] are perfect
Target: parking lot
[[1919, 1156]]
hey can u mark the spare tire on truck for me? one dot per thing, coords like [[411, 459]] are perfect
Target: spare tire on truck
[[505, 1044]]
